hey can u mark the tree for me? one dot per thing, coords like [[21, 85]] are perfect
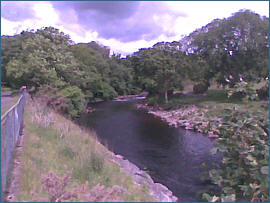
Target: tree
[[236, 47], [156, 70], [42, 59]]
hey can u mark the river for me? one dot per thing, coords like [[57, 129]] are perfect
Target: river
[[172, 156]]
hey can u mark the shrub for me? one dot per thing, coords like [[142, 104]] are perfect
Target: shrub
[[200, 88], [55, 186], [69, 100], [57, 190], [242, 90], [77, 98], [173, 104], [154, 100], [243, 140], [263, 93]]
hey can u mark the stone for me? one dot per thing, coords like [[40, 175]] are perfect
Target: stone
[[158, 191]]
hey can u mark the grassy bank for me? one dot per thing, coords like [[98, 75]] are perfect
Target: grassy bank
[[215, 100], [63, 162]]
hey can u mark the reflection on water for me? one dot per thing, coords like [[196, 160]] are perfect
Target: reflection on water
[[172, 156]]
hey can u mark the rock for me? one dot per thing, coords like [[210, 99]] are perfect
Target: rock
[[212, 135], [89, 109], [189, 117], [119, 156], [158, 191]]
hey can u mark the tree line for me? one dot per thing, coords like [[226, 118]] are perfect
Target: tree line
[[226, 51], [71, 75]]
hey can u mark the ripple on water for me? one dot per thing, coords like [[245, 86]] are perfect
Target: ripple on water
[[172, 156]]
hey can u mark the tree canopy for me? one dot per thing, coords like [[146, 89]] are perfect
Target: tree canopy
[[225, 50]]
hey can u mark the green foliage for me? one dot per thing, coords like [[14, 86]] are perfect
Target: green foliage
[[225, 50], [40, 60], [103, 77], [244, 143], [69, 100], [155, 100], [107, 92], [73, 74], [200, 88], [236, 46], [77, 98], [263, 92], [158, 70], [241, 90]]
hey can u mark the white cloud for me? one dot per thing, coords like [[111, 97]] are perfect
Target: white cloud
[[9, 27], [46, 13], [203, 12], [198, 15]]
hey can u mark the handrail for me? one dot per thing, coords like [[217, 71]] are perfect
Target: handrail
[[11, 128]]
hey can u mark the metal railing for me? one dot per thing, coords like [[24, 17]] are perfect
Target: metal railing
[[11, 126]]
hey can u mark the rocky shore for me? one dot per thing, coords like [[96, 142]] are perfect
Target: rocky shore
[[189, 117], [158, 191]]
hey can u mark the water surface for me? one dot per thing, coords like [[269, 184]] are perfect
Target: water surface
[[172, 156]]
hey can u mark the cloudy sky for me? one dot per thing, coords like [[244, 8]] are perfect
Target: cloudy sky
[[124, 26]]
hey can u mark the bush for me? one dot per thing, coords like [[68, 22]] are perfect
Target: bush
[[200, 88], [154, 100], [77, 98], [243, 174], [69, 101], [263, 93], [242, 90], [57, 189], [237, 95]]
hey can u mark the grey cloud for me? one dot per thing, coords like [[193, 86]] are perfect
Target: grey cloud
[[124, 21], [16, 11]]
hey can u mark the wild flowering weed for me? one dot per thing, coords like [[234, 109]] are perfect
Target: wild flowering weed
[[56, 188], [42, 115]]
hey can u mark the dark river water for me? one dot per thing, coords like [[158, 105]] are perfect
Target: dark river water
[[172, 156]]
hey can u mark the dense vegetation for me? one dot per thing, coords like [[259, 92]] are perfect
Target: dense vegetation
[[226, 51], [232, 53], [71, 74]]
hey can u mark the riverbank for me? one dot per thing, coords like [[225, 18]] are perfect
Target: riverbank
[[158, 191], [188, 117], [242, 129], [202, 113], [140, 96], [56, 151]]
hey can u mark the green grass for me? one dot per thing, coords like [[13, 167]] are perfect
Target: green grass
[[7, 107], [5, 88], [14, 93], [63, 146], [215, 101], [212, 107]]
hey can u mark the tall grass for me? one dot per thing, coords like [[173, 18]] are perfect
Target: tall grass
[[56, 145]]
